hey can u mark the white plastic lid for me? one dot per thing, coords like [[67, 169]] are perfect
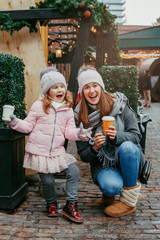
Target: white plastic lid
[[8, 106], [108, 118]]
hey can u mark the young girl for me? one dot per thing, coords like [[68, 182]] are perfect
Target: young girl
[[49, 122]]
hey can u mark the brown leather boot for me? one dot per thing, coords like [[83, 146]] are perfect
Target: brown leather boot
[[119, 209], [52, 209], [70, 210], [127, 203], [107, 201]]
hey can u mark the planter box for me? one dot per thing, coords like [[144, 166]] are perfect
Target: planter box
[[13, 187]]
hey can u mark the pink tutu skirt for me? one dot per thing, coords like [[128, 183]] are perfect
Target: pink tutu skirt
[[45, 164]]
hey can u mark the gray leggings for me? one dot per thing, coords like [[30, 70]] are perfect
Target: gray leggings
[[48, 182]]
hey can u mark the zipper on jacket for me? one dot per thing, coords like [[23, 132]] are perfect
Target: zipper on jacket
[[53, 133]]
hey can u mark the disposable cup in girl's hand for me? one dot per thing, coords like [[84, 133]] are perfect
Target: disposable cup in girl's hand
[[7, 111], [107, 121]]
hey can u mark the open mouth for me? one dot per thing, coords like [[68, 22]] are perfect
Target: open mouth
[[93, 97], [59, 96]]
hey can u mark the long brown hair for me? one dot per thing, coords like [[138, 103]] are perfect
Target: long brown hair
[[47, 100], [105, 106]]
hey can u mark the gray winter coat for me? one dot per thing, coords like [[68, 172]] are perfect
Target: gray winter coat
[[127, 130]]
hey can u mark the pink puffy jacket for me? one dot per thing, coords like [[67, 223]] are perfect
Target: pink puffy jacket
[[48, 131]]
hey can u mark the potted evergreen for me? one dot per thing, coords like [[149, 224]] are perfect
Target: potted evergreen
[[13, 186]]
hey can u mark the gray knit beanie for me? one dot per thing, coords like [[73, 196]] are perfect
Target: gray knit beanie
[[51, 78], [88, 74]]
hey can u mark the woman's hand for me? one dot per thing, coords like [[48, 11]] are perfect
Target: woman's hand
[[99, 139], [111, 132]]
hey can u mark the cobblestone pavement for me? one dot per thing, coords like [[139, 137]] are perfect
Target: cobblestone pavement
[[29, 220]]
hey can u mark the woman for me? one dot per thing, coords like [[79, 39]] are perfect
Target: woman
[[147, 89], [116, 159]]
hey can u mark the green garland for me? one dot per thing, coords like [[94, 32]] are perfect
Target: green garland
[[100, 17], [9, 25]]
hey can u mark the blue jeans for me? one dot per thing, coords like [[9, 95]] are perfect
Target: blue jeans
[[111, 181], [48, 182]]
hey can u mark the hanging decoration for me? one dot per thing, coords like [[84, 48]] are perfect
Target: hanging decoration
[[58, 52]]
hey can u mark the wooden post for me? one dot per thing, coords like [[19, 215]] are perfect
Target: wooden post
[[81, 46], [100, 49], [109, 46], [44, 37]]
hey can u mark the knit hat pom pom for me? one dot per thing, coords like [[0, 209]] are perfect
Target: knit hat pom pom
[[46, 70], [85, 68]]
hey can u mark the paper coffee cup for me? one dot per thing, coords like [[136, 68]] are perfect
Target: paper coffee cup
[[107, 121], [7, 111]]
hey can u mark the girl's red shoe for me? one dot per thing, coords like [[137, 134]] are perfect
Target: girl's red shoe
[[52, 209]]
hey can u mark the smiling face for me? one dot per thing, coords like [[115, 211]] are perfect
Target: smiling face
[[57, 92], [92, 92]]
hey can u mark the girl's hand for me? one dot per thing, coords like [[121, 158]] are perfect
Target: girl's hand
[[111, 132], [99, 139], [13, 120], [84, 134]]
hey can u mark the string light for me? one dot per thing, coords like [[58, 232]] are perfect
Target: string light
[[93, 29], [139, 55]]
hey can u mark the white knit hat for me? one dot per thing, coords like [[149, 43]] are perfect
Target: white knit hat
[[87, 75], [50, 79]]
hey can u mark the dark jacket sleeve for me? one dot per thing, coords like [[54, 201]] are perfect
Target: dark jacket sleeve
[[86, 152], [131, 131]]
